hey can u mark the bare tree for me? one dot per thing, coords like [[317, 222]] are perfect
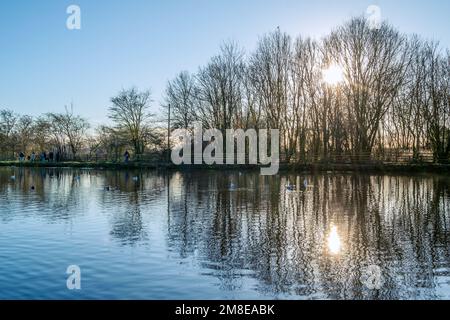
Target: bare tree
[[375, 62], [180, 95], [220, 88], [111, 141], [307, 95], [405, 122], [437, 106], [42, 129], [131, 115], [25, 132], [70, 128], [8, 123], [269, 71]]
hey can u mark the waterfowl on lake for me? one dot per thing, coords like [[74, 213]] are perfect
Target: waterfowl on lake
[[291, 187]]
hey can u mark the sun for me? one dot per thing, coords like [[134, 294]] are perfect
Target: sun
[[333, 75]]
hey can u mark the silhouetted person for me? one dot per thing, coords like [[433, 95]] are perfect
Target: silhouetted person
[[126, 156]]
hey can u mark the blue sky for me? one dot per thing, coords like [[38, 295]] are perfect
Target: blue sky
[[144, 43]]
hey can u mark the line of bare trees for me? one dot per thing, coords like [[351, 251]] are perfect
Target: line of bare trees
[[59, 133], [67, 136], [394, 97]]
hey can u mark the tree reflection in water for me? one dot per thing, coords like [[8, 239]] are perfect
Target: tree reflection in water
[[316, 243], [312, 243]]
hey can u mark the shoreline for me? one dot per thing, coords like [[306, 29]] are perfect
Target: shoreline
[[319, 167]]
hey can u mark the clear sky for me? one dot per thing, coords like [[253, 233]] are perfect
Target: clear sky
[[144, 43]]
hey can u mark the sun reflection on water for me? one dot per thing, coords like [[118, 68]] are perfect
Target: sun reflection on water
[[334, 241]]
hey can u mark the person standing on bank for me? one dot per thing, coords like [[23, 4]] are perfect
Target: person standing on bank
[[126, 156]]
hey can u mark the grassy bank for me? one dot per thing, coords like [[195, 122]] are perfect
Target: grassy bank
[[372, 167], [74, 164]]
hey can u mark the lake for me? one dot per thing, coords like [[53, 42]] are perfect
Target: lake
[[223, 235]]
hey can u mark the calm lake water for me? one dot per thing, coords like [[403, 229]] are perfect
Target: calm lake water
[[191, 236]]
